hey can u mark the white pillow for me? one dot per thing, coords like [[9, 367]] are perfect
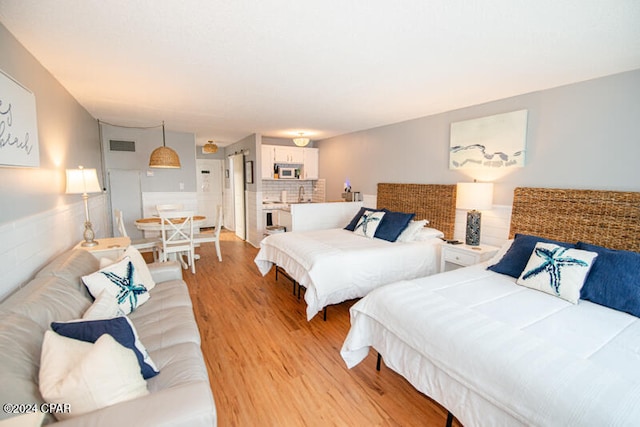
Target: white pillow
[[368, 223], [557, 271], [138, 262], [141, 266], [427, 233], [122, 280], [88, 376], [104, 307], [409, 233]]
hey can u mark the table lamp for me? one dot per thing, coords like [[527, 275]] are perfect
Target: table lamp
[[84, 181], [474, 196]]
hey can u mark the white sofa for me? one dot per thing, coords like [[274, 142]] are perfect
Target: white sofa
[[180, 395]]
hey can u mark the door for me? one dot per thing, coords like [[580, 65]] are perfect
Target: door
[[209, 188], [237, 187], [126, 195]]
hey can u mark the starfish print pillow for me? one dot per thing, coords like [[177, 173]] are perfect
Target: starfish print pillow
[[122, 281], [368, 223], [557, 270]]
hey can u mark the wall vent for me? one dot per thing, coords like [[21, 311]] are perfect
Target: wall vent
[[115, 145]]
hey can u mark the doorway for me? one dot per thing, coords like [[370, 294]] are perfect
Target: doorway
[[236, 168], [209, 188]]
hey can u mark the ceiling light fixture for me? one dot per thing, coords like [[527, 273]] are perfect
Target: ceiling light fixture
[[301, 141], [164, 157], [209, 147]]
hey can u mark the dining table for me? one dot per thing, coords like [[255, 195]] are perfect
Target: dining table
[[153, 223], [151, 227]]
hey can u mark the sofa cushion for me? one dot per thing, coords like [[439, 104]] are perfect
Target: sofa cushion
[[179, 365], [169, 300], [20, 346], [71, 266], [48, 298]]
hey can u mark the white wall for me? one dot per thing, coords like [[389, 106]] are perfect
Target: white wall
[[583, 135], [37, 220]]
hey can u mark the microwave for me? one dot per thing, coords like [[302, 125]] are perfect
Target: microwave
[[287, 173]]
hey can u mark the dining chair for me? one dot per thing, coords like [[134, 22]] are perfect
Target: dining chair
[[170, 207], [212, 237], [177, 235], [142, 245]]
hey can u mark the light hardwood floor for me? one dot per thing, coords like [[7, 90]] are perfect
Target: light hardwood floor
[[268, 366]]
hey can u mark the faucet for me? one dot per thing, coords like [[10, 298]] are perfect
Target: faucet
[[300, 193]]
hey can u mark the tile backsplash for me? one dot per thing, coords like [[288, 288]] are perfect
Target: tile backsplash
[[272, 189]]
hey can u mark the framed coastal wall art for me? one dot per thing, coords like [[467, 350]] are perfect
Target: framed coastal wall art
[[18, 124], [497, 141]]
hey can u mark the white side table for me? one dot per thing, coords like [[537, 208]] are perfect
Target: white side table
[[109, 247], [456, 256]]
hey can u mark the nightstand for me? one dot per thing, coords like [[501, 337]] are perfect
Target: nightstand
[[456, 256], [109, 247]]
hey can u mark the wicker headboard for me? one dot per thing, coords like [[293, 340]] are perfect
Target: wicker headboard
[[434, 202], [605, 218]]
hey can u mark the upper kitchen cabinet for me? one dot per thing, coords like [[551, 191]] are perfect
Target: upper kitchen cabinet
[[306, 157], [266, 166], [283, 154], [310, 163]]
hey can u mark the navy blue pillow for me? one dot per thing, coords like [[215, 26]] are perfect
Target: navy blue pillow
[[614, 279], [120, 328], [354, 221], [392, 225], [515, 260]]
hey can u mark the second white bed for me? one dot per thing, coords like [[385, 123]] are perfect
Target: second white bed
[[337, 265]]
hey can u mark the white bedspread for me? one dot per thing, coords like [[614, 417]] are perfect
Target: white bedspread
[[538, 359], [337, 265]]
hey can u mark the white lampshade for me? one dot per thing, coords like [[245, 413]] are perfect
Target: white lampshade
[[82, 181], [474, 195]]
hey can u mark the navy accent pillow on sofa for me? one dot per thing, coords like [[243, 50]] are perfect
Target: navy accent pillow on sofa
[[354, 221], [392, 225], [614, 279], [515, 260], [120, 328]]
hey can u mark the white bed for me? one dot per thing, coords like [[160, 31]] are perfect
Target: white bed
[[337, 265], [499, 354]]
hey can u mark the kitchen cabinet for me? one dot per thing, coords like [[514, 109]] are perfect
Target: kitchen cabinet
[[266, 166], [284, 154], [277, 154], [310, 163]]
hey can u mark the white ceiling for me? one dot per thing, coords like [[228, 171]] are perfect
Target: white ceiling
[[224, 69]]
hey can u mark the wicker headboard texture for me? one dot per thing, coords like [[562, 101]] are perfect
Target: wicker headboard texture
[[434, 202], [605, 218]]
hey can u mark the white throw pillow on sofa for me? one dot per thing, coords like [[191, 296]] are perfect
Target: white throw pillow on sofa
[[88, 376], [123, 281], [104, 307]]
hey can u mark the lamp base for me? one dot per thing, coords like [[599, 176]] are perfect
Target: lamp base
[[88, 236], [472, 237]]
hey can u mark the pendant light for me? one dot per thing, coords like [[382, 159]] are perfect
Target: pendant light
[[164, 157], [301, 141], [209, 147]]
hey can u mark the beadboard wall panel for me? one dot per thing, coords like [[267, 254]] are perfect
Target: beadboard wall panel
[[29, 243]]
